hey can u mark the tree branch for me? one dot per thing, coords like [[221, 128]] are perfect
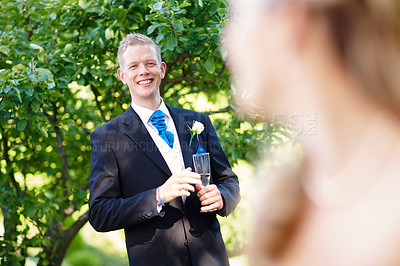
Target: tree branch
[[6, 157], [96, 94], [67, 236], [61, 151], [7, 211], [223, 110], [172, 26], [181, 80], [27, 21]]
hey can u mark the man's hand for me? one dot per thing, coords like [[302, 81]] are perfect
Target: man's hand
[[210, 198], [179, 185]]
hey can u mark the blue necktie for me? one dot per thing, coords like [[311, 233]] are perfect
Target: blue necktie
[[158, 120]]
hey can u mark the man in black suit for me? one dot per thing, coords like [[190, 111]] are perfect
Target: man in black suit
[[141, 175]]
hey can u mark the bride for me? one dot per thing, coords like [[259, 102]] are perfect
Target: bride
[[339, 59]]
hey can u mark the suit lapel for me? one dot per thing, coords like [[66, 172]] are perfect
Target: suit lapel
[[133, 127]]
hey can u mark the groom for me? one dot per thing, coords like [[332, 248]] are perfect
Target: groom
[[141, 175]]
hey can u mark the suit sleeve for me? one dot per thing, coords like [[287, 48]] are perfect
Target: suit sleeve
[[108, 210], [221, 172]]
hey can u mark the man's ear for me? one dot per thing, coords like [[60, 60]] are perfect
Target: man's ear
[[121, 75], [163, 68]]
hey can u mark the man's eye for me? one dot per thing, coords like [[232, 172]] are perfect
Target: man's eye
[[132, 66], [150, 64]]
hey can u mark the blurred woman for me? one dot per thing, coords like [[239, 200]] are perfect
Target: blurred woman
[[339, 59]]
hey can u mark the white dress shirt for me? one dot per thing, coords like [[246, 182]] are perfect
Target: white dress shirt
[[172, 156]]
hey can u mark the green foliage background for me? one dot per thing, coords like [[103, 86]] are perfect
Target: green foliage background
[[58, 82]]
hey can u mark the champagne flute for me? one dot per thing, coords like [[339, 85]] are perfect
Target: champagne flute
[[201, 163]]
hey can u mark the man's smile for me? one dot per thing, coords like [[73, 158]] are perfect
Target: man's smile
[[145, 81]]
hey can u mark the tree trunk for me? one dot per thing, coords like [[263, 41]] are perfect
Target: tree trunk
[[61, 241]]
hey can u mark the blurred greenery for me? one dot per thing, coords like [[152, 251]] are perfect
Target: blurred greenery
[[58, 82], [84, 252]]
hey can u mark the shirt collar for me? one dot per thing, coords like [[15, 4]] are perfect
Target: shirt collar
[[145, 113]]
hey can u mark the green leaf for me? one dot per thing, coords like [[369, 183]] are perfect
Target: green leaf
[[210, 65], [151, 29], [158, 6], [7, 89], [29, 92], [94, 10], [45, 74], [35, 46], [51, 85], [2, 104], [44, 132], [18, 94], [159, 38], [109, 34], [21, 124], [164, 10], [46, 242], [35, 106], [178, 25], [19, 67], [186, 4], [222, 11], [84, 70], [4, 50], [68, 47], [30, 212], [170, 43]]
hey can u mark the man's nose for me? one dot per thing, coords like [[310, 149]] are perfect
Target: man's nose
[[143, 70]]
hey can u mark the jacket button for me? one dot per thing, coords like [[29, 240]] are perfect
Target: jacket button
[[184, 212], [186, 243]]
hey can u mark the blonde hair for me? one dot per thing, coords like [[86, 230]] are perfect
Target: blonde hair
[[367, 36], [134, 39]]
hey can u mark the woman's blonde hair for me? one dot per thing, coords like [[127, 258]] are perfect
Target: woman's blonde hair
[[367, 35]]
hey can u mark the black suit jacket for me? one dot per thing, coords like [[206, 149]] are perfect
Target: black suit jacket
[[127, 167]]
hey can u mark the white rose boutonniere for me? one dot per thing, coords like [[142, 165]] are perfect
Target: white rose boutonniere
[[195, 130]]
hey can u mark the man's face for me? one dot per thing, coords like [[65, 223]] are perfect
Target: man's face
[[142, 72]]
